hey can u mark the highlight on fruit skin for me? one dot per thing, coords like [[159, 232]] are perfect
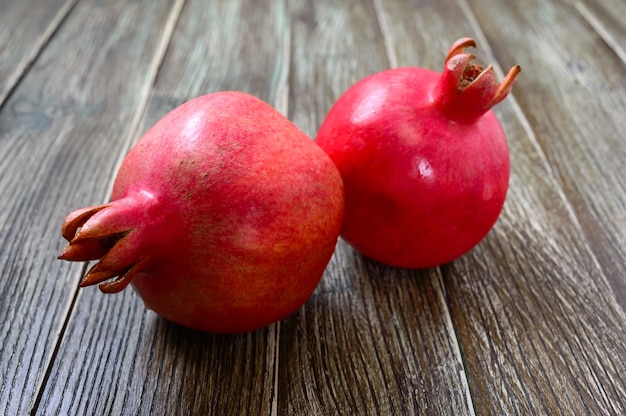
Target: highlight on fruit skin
[[424, 160], [223, 217]]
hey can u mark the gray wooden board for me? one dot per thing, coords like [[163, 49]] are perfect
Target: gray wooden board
[[574, 102], [606, 19], [60, 132], [529, 322], [367, 340], [25, 28], [158, 368], [533, 303]]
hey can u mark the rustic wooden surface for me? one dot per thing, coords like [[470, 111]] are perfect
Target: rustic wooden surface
[[532, 321]]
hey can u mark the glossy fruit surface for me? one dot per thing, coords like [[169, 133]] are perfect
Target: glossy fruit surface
[[425, 162], [223, 217]]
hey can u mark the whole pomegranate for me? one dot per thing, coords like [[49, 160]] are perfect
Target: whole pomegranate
[[424, 161], [223, 217]]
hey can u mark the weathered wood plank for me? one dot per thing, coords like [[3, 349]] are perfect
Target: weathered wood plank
[[59, 137], [25, 27], [530, 304], [538, 307], [606, 17], [372, 339], [117, 357], [576, 106]]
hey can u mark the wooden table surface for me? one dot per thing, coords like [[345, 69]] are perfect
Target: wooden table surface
[[530, 322]]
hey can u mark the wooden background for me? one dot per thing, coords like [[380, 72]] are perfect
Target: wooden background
[[530, 322]]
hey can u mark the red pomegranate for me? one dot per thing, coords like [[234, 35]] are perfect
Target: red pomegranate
[[424, 161], [223, 217]]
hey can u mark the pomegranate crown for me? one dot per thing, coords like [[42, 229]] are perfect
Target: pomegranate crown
[[111, 234], [465, 90]]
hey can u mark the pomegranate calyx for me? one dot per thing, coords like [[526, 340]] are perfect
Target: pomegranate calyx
[[106, 233], [466, 90], [76, 219], [458, 46], [506, 85], [122, 277]]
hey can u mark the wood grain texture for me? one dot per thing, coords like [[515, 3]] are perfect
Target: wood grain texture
[[606, 18], [574, 99], [25, 28], [529, 322], [367, 341], [372, 341], [117, 357], [59, 134], [530, 304]]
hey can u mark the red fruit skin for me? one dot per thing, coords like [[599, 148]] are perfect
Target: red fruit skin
[[233, 214], [425, 177]]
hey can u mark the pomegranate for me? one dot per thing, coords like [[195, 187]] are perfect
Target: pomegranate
[[223, 217], [425, 162]]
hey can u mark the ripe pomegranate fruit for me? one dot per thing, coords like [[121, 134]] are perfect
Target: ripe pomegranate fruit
[[424, 161], [223, 217]]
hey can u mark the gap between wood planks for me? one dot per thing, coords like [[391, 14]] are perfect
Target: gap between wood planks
[[612, 43], [157, 59], [14, 80], [597, 26], [40, 44], [517, 109], [282, 104], [438, 283]]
